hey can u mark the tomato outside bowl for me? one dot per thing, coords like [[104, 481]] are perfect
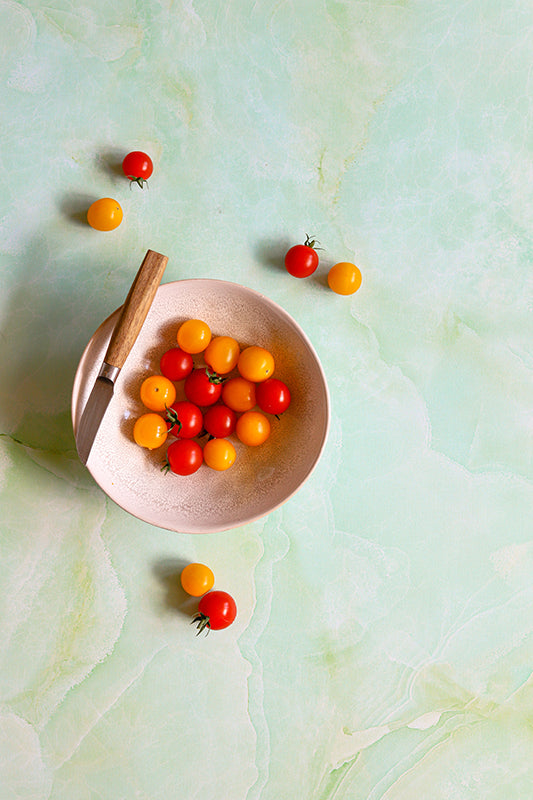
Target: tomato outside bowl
[[262, 478]]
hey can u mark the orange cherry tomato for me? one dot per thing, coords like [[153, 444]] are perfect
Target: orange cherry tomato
[[104, 214], [194, 335], [219, 454], [239, 394], [344, 278], [197, 579], [150, 431], [256, 364], [157, 392], [253, 428], [222, 354]]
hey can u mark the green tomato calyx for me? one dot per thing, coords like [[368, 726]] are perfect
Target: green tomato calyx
[[139, 181], [172, 417], [214, 377], [202, 623], [312, 242]]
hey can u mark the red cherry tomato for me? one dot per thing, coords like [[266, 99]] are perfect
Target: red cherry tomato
[[184, 419], [138, 167], [273, 396], [220, 421], [203, 387], [302, 259], [216, 610], [184, 457], [176, 364]]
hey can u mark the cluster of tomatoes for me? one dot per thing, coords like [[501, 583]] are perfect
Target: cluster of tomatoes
[[301, 261], [234, 393], [106, 214], [216, 609]]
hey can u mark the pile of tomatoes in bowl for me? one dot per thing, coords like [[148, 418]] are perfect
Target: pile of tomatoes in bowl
[[209, 394]]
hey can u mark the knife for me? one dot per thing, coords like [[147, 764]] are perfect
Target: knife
[[129, 324]]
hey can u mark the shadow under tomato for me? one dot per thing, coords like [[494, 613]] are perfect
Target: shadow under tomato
[[110, 160], [168, 571], [271, 253], [320, 276], [74, 206]]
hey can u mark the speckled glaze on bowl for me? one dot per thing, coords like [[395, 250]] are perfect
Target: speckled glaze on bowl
[[263, 477]]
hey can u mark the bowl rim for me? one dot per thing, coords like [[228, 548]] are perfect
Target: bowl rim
[[251, 517]]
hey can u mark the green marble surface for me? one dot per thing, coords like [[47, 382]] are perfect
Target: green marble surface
[[383, 646]]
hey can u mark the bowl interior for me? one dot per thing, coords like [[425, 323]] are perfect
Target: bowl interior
[[263, 477]]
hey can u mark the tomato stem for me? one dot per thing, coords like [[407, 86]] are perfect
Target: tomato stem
[[139, 181], [213, 376], [311, 242], [166, 466], [203, 623], [172, 417]]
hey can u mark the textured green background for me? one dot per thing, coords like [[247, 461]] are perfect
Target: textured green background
[[383, 647]]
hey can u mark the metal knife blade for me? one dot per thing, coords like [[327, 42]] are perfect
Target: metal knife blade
[[94, 410], [129, 324]]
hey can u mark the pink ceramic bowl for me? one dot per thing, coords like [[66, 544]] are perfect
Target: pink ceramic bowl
[[263, 477]]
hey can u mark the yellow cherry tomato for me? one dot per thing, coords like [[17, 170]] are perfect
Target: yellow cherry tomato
[[256, 364], [197, 579], [193, 336], [150, 431], [344, 278], [157, 393], [219, 454], [239, 394], [104, 214], [222, 354], [253, 428]]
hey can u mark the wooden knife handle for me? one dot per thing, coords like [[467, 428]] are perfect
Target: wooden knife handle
[[135, 308]]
